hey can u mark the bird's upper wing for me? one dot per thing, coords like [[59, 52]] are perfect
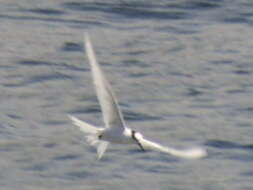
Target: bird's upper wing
[[111, 113], [193, 153]]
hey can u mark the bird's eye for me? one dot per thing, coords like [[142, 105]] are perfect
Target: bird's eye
[[100, 137]]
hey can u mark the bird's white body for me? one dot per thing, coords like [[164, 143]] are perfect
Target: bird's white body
[[115, 130]]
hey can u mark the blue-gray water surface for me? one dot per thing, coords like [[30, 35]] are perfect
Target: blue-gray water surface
[[181, 69]]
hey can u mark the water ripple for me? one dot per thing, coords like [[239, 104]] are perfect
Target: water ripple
[[79, 174], [80, 23], [85, 110], [194, 92], [68, 46], [248, 173], [47, 77], [72, 47], [50, 145], [228, 145], [15, 116], [37, 167], [159, 169], [134, 62], [47, 11], [222, 62], [242, 72], [202, 5], [67, 157], [129, 10], [133, 116], [241, 157], [53, 122], [30, 62], [151, 14], [39, 79]]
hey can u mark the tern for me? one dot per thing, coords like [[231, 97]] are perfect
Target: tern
[[115, 130]]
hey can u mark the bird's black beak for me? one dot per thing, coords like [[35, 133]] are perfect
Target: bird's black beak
[[137, 141], [140, 146]]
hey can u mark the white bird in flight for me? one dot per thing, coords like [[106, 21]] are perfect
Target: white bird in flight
[[115, 130]]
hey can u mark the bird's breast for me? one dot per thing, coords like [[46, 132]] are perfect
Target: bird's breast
[[117, 137]]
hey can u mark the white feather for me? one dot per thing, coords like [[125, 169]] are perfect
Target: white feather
[[111, 113], [92, 134], [192, 153], [101, 148], [83, 126]]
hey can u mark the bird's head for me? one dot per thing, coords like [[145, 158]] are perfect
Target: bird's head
[[138, 135]]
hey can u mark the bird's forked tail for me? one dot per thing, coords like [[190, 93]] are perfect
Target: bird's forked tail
[[91, 135]]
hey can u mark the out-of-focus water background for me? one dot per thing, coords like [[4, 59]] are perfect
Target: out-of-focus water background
[[182, 71]]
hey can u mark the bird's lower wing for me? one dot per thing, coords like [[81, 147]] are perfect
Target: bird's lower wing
[[192, 153]]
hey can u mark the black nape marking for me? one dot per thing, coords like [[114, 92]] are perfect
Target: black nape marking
[[133, 132]]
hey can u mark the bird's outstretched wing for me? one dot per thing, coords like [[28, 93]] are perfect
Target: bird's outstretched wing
[[111, 113], [192, 153]]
